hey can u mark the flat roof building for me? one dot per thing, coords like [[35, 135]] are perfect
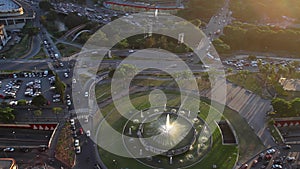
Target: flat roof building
[[8, 163], [10, 8], [4, 38]]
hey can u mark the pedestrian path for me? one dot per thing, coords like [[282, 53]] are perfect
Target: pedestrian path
[[251, 107]]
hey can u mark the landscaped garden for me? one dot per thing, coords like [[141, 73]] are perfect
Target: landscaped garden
[[64, 148], [226, 154]]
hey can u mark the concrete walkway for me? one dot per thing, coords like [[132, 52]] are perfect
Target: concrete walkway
[[251, 107]]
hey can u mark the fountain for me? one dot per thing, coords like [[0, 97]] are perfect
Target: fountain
[[166, 135]]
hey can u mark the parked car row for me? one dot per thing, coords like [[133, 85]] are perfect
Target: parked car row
[[11, 89], [33, 88]]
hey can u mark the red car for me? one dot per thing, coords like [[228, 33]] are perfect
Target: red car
[[81, 130]]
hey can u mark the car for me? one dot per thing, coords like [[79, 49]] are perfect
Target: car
[[287, 147], [131, 51], [52, 87], [81, 131], [86, 94], [88, 133], [69, 102], [61, 64], [9, 149], [289, 159], [276, 166], [56, 100], [76, 142], [72, 121], [86, 119], [74, 81], [68, 96], [77, 149], [25, 150], [66, 75], [271, 151]]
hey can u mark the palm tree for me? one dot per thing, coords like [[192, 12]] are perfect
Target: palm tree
[[56, 111], [37, 112], [6, 114]]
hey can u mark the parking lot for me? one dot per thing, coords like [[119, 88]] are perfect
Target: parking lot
[[26, 85]]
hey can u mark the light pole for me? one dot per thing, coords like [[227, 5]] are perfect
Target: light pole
[[14, 133]]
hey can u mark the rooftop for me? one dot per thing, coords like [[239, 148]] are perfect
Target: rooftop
[[7, 163], [8, 5]]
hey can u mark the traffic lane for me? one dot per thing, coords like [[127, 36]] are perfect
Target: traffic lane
[[23, 65], [23, 137]]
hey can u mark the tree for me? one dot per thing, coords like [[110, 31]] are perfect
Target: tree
[[59, 86], [280, 106], [229, 70], [252, 57], [22, 102], [56, 111], [196, 22], [150, 42], [39, 101], [51, 16], [295, 105], [73, 20], [6, 114], [37, 112], [31, 31], [45, 5]]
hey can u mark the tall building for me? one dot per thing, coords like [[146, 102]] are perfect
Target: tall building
[[4, 38]]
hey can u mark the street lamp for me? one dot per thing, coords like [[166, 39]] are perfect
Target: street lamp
[[14, 134]]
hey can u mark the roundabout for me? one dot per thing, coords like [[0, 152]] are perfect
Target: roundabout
[[167, 137], [164, 137]]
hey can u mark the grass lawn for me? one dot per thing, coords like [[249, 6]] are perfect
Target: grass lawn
[[67, 50], [247, 147], [226, 154], [19, 49], [250, 82], [40, 55]]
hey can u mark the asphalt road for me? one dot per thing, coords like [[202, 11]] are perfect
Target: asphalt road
[[15, 137]]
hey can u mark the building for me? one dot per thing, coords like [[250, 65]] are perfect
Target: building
[[168, 6], [10, 8], [15, 13], [4, 38], [8, 163]]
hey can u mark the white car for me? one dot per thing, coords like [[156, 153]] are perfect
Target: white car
[[72, 121], [88, 133], [9, 149], [86, 94], [86, 119], [74, 81], [76, 142], [66, 75], [77, 149], [131, 51], [69, 102], [271, 151]]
